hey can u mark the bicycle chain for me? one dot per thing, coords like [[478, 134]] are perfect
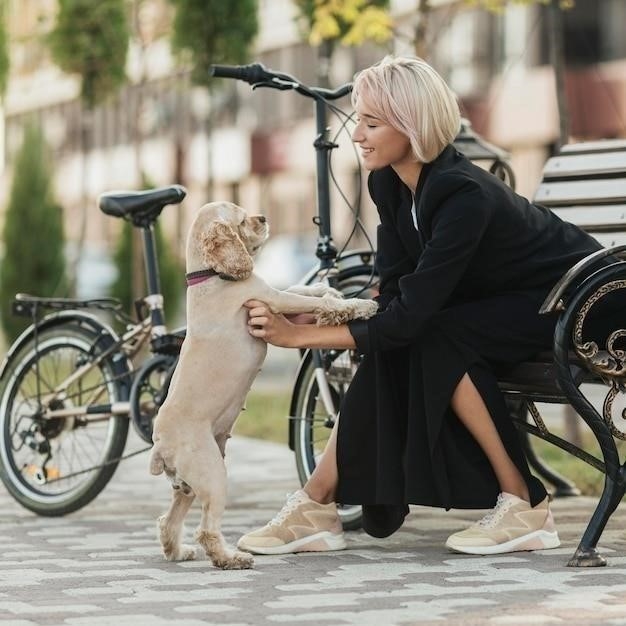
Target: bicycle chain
[[95, 467]]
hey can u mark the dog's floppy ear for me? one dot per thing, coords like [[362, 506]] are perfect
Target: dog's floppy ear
[[224, 252]]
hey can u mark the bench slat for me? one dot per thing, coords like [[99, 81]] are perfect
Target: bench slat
[[578, 192], [604, 145], [595, 218], [608, 240], [586, 165]]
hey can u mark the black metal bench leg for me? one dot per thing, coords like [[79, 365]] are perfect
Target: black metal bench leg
[[563, 487], [586, 554]]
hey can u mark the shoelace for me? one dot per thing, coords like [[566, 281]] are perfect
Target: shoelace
[[293, 501], [496, 514]]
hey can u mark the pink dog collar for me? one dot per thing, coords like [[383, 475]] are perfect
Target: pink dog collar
[[194, 278]]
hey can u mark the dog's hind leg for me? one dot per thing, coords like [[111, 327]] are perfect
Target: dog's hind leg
[[208, 482], [170, 527]]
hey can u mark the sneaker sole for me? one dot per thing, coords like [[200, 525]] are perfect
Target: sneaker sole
[[537, 540], [320, 542]]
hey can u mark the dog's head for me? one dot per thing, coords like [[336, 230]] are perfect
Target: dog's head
[[223, 237]]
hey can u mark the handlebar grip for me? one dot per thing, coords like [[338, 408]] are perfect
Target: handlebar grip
[[253, 73]]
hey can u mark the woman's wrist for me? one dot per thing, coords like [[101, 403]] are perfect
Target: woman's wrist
[[313, 336]]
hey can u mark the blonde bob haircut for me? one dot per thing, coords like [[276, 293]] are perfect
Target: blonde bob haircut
[[409, 95]]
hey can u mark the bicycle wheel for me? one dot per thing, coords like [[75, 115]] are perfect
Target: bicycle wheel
[[312, 422], [57, 465]]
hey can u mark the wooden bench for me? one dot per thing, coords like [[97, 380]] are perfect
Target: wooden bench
[[584, 184]]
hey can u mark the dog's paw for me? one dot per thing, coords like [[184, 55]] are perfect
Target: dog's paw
[[180, 553], [340, 313], [364, 309], [187, 553], [235, 560]]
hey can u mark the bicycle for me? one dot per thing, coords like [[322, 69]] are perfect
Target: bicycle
[[69, 387]]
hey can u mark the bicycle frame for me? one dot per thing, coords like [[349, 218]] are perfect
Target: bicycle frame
[[129, 344]]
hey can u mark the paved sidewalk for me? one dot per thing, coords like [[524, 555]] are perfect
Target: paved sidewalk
[[102, 565]]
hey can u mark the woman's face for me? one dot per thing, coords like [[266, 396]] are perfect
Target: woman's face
[[381, 145]]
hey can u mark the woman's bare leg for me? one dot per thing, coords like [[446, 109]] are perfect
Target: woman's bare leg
[[470, 408], [322, 483]]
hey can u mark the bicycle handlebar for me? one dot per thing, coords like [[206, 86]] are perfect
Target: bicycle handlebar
[[257, 75]]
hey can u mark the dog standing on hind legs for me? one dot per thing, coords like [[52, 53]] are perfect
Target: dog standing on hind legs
[[218, 363]]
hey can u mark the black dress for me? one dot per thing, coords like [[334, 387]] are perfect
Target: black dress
[[459, 294]]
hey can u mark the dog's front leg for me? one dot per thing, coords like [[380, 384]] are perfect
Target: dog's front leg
[[327, 309], [316, 290], [170, 528]]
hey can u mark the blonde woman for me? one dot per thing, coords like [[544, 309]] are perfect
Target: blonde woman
[[464, 266]]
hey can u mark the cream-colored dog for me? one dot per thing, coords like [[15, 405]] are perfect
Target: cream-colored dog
[[218, 362]]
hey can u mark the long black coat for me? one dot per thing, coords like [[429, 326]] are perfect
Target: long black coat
[[458, 295]]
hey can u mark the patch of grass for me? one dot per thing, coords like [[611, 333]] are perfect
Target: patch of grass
[[265, 416], [588, 479]]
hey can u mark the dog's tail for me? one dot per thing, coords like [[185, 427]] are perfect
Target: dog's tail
[[157, 464]]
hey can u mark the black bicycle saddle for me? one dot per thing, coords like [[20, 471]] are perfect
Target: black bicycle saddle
[[140, 207]]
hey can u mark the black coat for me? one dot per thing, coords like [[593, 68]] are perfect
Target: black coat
[[477, 238], [459, 295]]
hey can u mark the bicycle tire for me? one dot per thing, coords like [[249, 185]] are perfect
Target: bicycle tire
[[310, 423], [74, 445]]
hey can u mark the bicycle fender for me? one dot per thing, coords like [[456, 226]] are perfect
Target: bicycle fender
[[108, 335], [351, 262]]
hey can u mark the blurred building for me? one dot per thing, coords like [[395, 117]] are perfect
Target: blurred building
[[259, 152]]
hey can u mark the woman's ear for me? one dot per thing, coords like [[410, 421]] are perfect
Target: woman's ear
[[224, 252]]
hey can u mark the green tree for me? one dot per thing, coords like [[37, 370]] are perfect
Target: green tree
[[171, 270], [213, 31], [90, 39], [4, 53], [326, 23], [33, 260]]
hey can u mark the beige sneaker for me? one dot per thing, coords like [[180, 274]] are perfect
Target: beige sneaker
[[302, 525], [513, 525]]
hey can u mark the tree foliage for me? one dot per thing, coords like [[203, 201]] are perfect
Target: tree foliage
[[33, 260], [171, 271], [213, 31], [349, 22], [4, 52], [91, 39]]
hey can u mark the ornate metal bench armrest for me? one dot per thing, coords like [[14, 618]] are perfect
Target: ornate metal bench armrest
[[554, 300]]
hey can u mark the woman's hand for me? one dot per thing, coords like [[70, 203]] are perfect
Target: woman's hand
[[271, 327], [282, 331]]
